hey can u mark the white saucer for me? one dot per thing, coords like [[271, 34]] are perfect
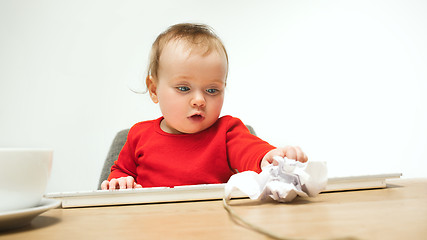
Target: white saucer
[[22, 217]]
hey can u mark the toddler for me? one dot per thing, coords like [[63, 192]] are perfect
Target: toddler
[[191, 143]]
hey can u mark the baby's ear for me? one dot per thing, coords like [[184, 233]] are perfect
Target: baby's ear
[[152, 88]]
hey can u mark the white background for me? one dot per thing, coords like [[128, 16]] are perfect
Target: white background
[[345, 80]]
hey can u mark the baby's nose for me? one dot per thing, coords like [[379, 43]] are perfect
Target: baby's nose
[[198, 100]]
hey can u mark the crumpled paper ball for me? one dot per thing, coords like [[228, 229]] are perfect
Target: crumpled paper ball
[[282, 183]]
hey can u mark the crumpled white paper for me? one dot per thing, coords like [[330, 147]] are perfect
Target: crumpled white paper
[[283, 182]]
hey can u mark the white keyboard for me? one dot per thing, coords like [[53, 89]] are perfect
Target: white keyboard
[[196, 192], [141, 195]]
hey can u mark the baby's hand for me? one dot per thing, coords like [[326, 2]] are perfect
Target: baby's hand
[[120, 183], [289, 151]]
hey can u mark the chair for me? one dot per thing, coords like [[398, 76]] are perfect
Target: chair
[[115, 148]]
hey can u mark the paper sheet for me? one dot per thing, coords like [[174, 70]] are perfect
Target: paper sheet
[[283, 182]]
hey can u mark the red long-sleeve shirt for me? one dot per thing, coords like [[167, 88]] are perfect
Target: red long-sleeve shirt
[[156, 158]]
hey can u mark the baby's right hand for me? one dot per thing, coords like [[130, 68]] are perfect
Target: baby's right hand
[[120, 183]]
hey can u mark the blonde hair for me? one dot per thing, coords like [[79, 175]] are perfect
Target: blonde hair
[[195, 35]]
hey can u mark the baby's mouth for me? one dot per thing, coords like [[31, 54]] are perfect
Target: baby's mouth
[[197, 117]]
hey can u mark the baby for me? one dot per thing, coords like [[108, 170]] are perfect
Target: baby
[[191, 143]]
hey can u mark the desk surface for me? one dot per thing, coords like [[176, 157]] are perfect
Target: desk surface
[[397, 212]]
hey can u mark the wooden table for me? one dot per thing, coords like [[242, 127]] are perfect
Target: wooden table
[[397, 212]]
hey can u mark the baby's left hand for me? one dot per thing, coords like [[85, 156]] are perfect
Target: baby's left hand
[[291, 152]]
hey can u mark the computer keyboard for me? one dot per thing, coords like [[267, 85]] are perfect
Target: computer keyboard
[[141, 195], [196, 192]]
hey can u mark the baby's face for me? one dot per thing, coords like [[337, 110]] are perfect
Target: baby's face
[[190, 88]]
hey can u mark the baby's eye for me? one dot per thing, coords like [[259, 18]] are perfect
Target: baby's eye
[[212, 91], [183, 89]]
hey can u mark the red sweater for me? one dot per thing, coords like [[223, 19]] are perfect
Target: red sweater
[[156, 158]]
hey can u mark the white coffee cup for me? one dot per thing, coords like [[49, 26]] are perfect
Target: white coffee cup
[[24, 174]]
